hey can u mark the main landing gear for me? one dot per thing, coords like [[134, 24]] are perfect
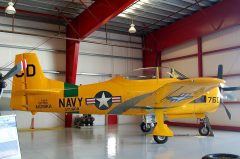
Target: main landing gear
[[155, 123], [160, 139], [205, 127], [146, 127], [148, 123]]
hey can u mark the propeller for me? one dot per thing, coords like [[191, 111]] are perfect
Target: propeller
[[230, 88], [227, 111], [225, 88], [21, 66]]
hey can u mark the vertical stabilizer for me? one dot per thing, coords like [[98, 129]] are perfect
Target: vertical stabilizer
[[31, 78]]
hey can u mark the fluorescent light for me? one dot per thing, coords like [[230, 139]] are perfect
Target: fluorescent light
[[122, 15], [129, 10]]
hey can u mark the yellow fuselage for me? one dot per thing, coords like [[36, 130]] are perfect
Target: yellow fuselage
[[121, 89]]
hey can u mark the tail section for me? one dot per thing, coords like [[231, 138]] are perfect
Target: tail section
[[31, 78]]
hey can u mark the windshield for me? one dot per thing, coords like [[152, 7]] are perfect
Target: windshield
[[154, 73]]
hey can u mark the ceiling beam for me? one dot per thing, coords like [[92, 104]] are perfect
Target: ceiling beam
[[99, 13]]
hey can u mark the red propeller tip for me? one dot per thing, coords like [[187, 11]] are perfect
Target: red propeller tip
[[24, 64]]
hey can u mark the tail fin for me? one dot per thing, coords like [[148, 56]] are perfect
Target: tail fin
[[32, 78], [220, 72]]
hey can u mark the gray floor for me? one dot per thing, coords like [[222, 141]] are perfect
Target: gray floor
[[123, 142]]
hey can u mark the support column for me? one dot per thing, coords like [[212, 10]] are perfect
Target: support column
[[96, 15], [200, 57], [72, 49]]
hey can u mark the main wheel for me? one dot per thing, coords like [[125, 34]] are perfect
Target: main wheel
[[203, 130], [145, 127], [160, 139]]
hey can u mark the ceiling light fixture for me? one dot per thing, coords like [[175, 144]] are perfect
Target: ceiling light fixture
[[10, 8], [132, 28]]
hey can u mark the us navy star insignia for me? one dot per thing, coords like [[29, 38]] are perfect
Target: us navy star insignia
[[103, 100]]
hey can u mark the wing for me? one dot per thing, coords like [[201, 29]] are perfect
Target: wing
[[170, 95]]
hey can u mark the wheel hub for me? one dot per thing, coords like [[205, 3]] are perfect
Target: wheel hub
[[204, 130], [161, 137]]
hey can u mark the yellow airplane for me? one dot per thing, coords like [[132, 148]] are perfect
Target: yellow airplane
[[176, 97]]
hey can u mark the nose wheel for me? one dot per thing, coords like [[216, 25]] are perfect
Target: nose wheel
[[205, 127], [203, 130]]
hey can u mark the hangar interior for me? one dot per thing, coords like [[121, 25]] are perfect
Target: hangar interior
[[192, 36]]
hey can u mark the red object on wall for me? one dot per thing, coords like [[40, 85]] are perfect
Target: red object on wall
[[112, 119], [68, 120], [222, 15]]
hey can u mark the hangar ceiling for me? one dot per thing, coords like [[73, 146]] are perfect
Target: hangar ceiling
[[147, 15]]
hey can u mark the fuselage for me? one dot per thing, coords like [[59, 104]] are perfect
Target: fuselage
[[104, 97]]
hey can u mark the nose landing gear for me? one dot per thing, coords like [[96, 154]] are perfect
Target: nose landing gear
[[205, 127]]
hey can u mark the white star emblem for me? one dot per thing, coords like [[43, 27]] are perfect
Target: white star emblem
[[103, 101]]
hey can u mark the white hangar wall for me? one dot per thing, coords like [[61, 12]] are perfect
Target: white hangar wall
[[212, 57], [93, 58], [51, 57]]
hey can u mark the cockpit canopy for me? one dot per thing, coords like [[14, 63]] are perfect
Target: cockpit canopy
[[155, 73]]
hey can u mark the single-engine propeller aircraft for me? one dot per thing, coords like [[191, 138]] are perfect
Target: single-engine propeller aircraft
[[175, 97]]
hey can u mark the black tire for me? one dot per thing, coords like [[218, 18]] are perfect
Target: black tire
[[146, 127], [203, 131], [221, 155], [160, 139]]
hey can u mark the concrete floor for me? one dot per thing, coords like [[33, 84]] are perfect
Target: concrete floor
[[123, 142]]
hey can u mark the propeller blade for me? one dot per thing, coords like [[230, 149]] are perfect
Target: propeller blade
[[227, 111], [15, 70], [220, 72], [230, 88]]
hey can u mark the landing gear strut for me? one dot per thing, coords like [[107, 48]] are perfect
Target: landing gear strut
[[205, 127]]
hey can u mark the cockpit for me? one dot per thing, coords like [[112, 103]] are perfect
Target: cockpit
[[154, 73]]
